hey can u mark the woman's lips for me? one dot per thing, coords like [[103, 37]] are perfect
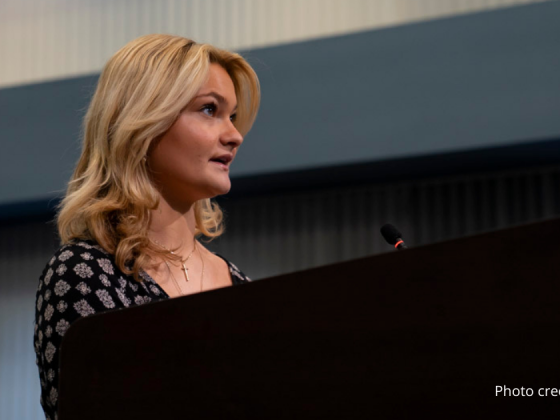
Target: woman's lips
[[223, 161], [220, 164]]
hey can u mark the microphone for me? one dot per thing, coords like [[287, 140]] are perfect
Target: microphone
[[393, 236]]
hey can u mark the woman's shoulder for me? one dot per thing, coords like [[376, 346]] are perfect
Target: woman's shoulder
[[237, 276], [84, 266], [83, 250], [79, 261]]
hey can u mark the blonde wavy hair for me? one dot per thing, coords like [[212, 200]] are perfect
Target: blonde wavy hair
[[141, 92]]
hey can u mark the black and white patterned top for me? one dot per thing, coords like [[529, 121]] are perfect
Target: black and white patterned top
[[82, 279]]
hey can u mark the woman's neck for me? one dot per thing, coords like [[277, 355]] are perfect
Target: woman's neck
[[173, 228]]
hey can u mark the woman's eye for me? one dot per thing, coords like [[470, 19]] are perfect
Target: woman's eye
[[233, 117], [209, 109]]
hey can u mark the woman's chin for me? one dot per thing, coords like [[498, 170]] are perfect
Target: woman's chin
[[221, 189]]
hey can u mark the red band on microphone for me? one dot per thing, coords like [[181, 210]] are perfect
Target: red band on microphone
[[398, 243]]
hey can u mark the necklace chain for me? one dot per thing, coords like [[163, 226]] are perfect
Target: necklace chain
[[185, 269]]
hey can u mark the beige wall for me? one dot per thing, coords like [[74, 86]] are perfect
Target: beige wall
[[43, 40]]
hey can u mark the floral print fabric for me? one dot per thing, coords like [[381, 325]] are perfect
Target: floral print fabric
[[82, 279]]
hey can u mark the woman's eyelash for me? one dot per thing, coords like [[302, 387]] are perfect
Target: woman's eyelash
[[212, 108], [209, 107]]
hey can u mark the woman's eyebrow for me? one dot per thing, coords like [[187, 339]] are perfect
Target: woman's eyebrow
[[218, 97]]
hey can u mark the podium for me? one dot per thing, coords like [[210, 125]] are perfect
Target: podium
[[428, 331]]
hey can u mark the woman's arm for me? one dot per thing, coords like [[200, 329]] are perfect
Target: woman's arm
[[76, 282]]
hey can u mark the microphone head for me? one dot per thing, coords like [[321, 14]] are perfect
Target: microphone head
[[390, 233]]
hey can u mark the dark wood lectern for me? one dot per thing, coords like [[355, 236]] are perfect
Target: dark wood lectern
[[429, 331]]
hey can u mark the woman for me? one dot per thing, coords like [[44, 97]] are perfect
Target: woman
[[162, 129]]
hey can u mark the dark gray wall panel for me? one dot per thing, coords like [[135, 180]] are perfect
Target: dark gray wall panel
[[483, 80], [40, 136], [473, 81]]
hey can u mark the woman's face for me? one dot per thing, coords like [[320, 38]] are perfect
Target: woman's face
[[191, 160]]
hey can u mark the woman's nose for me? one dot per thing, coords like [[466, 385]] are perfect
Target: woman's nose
[[231, 135]]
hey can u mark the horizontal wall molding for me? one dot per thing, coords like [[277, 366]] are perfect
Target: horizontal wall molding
[[480, 161]]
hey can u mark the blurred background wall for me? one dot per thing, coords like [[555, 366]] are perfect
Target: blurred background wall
[[438, 116]]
